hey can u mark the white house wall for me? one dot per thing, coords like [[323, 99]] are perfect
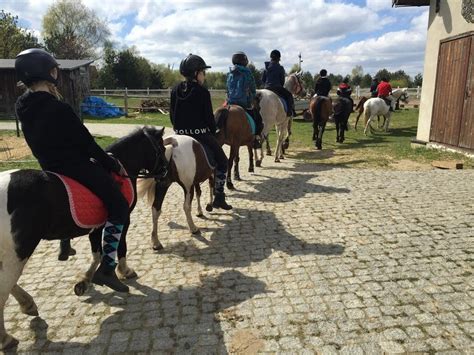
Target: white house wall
[[448, 22]]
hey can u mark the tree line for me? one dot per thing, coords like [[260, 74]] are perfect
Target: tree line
[[72, 31]]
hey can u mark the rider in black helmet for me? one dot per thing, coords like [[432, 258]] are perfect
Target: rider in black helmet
[[323, 85], [62, 144], [274, 78], [241, 90], [191, 114]]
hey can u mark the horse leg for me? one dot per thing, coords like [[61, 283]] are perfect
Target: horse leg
[[249, 148], [10, 271], [188, 197], [198, 199], [267, 142], [368, 125], [278, 145], [258, 162], [319, 141], [95, 239], [26, 302], [160, 193], [211, 192], [236, 167], [229, 184], [337, 130], [387, 122]]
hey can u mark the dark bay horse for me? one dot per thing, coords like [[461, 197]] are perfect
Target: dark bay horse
[[189, 167], [34, 205], [235, 131], [342, 108], [321, 109]]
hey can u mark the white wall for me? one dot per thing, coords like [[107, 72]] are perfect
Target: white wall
[[448, 22]]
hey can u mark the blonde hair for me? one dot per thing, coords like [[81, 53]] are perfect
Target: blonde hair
[[52, 89]]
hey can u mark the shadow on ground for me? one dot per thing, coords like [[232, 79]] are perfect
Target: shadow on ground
[[184, 320]]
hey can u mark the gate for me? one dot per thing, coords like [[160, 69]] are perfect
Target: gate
[[453, 108]]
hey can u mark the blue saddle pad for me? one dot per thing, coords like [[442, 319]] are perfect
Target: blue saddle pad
[[251, 122], [211, 160], [283, 102]]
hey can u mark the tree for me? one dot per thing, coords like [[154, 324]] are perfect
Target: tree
[[418, 80], [335, 79], [356, 80], [257, 75], [14, 39], [366, 81], [357, 71], [383, 73], [295, 68], [72, 31], [308, 80]]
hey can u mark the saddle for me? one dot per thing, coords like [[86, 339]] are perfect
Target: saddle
[[87, 210]]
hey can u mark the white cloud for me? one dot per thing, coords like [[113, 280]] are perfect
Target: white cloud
[[165, 31]]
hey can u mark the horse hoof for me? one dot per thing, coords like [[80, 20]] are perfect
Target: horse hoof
[[230, 186], [8, 342], [258, 164], [277, 160], [196, 232], [200, 215], [251, 170], [80, 288], [238, 178], [158, 247], [31, 310], [72, 251], [131, 275], [209, 207], [269, 153]]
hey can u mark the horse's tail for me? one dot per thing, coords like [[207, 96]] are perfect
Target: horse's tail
[[366, 113], [221, 116], [360, 104], [146, 187]]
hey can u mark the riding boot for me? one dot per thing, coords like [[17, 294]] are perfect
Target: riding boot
[[105, 275], [219, 196], [219, 201], [65, 250]]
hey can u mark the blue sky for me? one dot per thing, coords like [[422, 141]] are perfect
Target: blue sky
[[334, 34]]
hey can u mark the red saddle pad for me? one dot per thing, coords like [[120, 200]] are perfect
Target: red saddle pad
[[87, 210]]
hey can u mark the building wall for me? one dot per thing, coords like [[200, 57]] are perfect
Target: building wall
[[448, 22]]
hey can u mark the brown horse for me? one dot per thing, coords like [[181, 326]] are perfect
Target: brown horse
[[235, 131], [320, 108], [360, 108]]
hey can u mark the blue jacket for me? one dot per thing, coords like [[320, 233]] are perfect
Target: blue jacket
[[274, 74], [252, 90]]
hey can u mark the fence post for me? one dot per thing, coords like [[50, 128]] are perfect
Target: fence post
[[418, 92], [125, 102], [105, 91], [147, 91]]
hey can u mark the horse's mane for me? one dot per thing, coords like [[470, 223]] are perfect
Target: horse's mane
[[134, 136]]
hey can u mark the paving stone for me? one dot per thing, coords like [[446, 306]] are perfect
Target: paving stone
[[311, 259]]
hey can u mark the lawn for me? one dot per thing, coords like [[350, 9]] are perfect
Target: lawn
[[390, 150]]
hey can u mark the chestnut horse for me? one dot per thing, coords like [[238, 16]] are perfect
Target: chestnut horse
[[321, 109], [235, 131]]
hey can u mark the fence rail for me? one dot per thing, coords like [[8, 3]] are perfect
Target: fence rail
[[148, 93]]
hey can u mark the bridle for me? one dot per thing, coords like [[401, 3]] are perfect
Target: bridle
[[159, 153]]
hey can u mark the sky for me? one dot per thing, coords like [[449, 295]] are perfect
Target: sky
[[333, 34]]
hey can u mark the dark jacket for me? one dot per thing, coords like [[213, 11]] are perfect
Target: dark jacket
[[273, 75], [55, 134], [322, 87], [191, 109], [373, 88]]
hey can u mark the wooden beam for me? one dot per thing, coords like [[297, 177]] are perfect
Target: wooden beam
[[447, 164]]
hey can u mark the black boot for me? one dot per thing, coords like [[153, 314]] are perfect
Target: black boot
[[65, 250], [105, 275], [219, 201]]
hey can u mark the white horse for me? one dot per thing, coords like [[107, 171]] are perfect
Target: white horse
[[274, 115], [377, 107]]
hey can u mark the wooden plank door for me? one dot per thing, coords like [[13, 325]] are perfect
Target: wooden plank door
[[466, 138], [453, 65]]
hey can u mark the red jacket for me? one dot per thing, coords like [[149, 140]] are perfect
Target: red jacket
[[384, 89]]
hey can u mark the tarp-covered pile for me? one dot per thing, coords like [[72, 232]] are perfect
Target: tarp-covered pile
[[98, 107]]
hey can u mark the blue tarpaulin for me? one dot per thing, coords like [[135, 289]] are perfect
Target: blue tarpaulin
[[98, 107]]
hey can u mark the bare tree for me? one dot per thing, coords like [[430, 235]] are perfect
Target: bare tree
[[72, 31]]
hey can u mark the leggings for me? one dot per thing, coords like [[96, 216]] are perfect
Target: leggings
[[285, 94], [210, 141]]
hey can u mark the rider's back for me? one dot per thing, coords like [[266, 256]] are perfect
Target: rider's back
[[274, 74]]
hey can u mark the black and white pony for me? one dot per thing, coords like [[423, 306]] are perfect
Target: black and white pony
[[34, 205]]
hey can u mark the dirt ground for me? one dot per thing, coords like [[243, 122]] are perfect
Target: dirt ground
[[13, 148]]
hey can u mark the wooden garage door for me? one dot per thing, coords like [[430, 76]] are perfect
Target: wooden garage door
[[452, 107]]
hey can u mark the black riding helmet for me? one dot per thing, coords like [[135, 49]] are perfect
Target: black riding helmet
[[275, 54], [192, 64], [240, 58], [34, 65]]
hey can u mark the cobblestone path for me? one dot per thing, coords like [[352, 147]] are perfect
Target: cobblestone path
[[310, 260]]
